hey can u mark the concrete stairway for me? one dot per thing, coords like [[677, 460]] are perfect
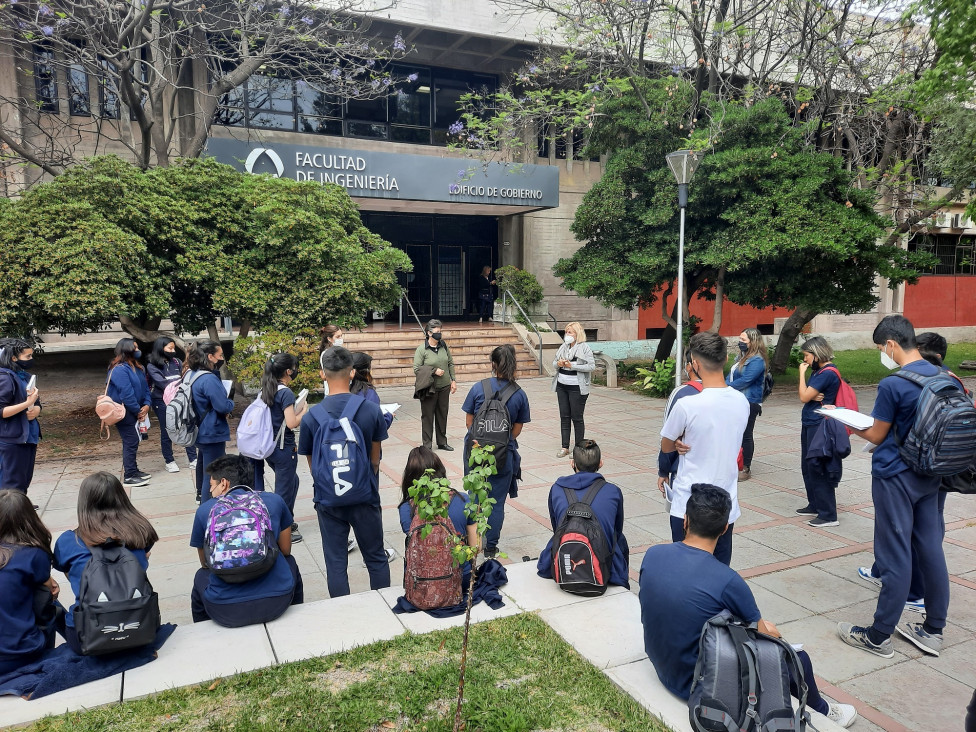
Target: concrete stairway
[[471, 345]]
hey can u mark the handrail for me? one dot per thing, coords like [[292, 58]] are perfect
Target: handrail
[[403, 296], [507, 294], [555, 323]]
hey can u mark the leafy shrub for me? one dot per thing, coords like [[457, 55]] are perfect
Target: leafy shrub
[[659, 378], [523, 285], [252, 352], [795, 356]]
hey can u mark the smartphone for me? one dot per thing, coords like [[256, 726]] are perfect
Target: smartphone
[[32, 383]]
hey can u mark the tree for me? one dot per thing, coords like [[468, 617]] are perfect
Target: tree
[[952, 25], [162, 70], [106, 241], [773, 222]]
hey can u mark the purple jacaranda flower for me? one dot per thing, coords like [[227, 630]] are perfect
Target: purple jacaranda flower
[[398, 43], [335, 73], [47, 30], [285, 11], [412, 77], [675, 69], [308, 20], [45, 10], [456, 128], [375, 83]]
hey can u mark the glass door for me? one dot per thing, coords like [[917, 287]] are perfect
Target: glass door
[[450, 281], [419, 283]]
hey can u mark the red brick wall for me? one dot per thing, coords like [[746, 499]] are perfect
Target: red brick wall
[[941, 301], [735, 318]]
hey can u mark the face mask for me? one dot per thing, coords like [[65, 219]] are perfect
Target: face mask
[[25, 363], [569, 339], [137, 355], [436, 336], [815, 365], [743, 346], [337, 341], [169, 354], [220, 363], [887, 361]]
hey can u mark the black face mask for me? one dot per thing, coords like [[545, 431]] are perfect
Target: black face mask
[[436, 336], [25, 363], [815, 365], [217, 365]]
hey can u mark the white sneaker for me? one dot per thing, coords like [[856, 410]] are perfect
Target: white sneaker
[[865, 574], [842, 714], [172, 467], [192, 465], [351, 546]]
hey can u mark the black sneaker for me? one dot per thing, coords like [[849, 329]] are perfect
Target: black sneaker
[[135, 482], [296, 535], [144, 476], [445, 447], [823, 523], [806, 511], [491, 553]]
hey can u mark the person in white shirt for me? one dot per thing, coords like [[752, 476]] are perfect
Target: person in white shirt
[[706, 430]]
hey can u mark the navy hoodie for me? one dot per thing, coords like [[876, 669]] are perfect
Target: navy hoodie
[[608, 505]]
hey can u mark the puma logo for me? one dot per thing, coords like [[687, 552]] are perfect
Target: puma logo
[[574, 565]]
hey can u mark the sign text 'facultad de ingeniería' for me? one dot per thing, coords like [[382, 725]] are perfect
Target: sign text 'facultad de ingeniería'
[[369, 174]]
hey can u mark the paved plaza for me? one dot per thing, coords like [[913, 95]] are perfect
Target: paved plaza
[[805, 579]]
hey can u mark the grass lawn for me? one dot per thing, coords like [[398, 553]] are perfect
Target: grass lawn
[[521, 676]]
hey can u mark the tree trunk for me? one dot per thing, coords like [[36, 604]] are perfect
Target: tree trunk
[[458, 721], [787, 337], [719, 300], [245, 328], [148, 331]]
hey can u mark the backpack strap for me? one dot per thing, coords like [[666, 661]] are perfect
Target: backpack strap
[[747, 669], [487, 388], [508, 392], [917, 379], [595, 487]]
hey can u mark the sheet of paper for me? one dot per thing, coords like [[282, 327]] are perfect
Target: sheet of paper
[[857, 420], [228, 385], [390, 408], [301, 399]]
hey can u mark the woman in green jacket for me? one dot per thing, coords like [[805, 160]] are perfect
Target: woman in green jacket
[[434, 352]]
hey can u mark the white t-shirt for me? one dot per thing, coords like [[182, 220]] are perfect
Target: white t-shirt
[[711, 423]]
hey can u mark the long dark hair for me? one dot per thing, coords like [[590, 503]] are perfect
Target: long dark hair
[[419, 461], [20, 525], [124, 353], [327, 333], [503, 362], [275, 369], [105, 512], [10, 347], [196, 355], [158, 357]]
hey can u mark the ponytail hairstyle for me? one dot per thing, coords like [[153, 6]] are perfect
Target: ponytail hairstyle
[[757, 347], [158, 357], [275, 369], [196, 355], [20, 526], [503, 362], [10, 347], [125, 353], [105, 513], [328, 333]]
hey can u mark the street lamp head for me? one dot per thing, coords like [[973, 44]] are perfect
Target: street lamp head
[[683, 164]]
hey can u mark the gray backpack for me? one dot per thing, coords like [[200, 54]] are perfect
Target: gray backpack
[[742, 681], [182, 424]]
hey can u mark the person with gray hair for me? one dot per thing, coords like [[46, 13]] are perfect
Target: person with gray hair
[[434, 355]]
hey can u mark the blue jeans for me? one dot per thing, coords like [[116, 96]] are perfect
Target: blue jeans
[[130, 445], [723, 550], [206, 453], [166, 444], [366, 521], [284, 462]]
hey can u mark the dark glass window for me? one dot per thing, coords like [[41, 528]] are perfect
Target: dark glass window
[[320, 126], [411, 103], [111, 105], [79, 101], [379, 131], [957, 254], [45, 85], [416, 135], [270, 93], [368, 110], [316, 103], [272, 120]]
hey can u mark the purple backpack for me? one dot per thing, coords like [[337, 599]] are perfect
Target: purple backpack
[[240, 543]]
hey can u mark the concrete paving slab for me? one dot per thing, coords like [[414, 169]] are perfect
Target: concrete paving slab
[[531, 592], [606, 631], [344, 623], [794, 540], [421, 622], [14, 710], [820, 591], [201, 652]]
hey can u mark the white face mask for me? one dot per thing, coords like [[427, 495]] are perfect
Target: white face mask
[[569, 338], [887, 361], [337, 341]]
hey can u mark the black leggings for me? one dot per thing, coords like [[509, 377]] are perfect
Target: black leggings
[[571, 406], [748, 443]]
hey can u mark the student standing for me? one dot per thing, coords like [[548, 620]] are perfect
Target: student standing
[[25, 576], [362, 381], [105, 514], [332, 335], [748, 375], [127, 385], [822, 389], [212, 405], [20, 432], [335, 521], [163, 369], [667, 462], [711, 426], [259, 600], [434, 353], [504, 482], [906, 507], [279, 371], [607, 505], [574, 363]]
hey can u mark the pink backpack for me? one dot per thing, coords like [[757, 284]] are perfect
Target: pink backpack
[[108, 410], [170, 391]]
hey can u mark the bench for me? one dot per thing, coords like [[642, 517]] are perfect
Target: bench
[[609, 364]]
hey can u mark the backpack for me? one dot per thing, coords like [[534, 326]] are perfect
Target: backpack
[[170, 391], [964, 482], [492, 423], [742, 680], [768, 383], [341, 471], [581, 555], [431, 577], [942, 441], [117, 607], [255, 433], [182, 424], [108, 410], [846, 397], [239, 543]]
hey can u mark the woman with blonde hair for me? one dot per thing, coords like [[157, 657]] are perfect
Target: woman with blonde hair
[[574, 363], [748, 375]]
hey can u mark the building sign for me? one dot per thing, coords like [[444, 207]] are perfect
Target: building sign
[[370, 174]]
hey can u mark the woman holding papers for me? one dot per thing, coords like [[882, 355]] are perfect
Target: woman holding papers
[[818, 389]]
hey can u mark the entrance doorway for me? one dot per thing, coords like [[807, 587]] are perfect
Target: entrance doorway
[[448, 254]]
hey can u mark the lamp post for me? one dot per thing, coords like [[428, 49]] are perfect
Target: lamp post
[[682, 164]]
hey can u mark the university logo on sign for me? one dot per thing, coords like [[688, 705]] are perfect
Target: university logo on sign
[[264, 160]]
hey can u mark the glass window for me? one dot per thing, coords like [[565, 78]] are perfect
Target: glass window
[[320, 126], [230, 116], [367, 129], [108, 93], [410, 104], [449, 87], [79, 101], [45, 85], [273, 120], [315, 102], [372, 110], [270, 93], [416, 135]]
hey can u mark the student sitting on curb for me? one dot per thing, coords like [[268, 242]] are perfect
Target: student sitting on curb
[[682, 586], [258, 600], [608, 506]]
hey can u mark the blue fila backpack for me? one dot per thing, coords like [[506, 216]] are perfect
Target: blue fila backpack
[[341, 470]]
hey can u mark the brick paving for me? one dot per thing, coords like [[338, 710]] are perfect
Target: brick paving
[[805, 579]]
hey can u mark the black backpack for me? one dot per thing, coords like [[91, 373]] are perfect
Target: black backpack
[[492, 424], [742, 680], [581, 555], [768, 383], [117, 607]]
